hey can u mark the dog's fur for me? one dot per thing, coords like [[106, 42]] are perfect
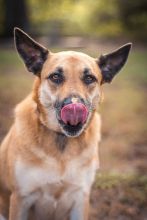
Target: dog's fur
[[46, 167]]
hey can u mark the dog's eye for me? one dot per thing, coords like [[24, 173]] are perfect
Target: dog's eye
[[56, 78], [88, 79]]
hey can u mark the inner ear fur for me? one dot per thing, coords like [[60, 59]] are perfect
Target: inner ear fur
[[32, 53], [110, 64]]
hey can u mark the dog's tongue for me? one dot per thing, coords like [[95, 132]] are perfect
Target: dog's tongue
[[74, 113]]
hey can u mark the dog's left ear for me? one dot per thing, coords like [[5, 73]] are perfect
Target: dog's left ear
[[110, 64], [32, 53]]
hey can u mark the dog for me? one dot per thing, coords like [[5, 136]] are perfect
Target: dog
[[49, 158]]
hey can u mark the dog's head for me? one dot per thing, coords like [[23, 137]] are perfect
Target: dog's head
[[69, 83]]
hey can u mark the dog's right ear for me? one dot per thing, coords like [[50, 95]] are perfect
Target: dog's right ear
[[32, 53]]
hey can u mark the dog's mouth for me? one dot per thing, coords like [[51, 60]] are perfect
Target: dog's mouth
[[74, 113], [73, 117]]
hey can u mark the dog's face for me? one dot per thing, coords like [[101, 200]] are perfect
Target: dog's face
[[70, 82]]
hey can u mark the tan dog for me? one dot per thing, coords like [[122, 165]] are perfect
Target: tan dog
[[49, 157]]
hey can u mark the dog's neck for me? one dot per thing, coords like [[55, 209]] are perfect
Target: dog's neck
[[60, 138]]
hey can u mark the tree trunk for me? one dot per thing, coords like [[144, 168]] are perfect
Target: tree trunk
[[16, 15]]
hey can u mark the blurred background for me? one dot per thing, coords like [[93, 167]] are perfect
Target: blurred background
[[93, 27]]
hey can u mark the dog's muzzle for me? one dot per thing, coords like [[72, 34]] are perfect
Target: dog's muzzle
[[74, 113]]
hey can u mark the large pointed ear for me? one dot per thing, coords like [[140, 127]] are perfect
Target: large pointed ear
[[110, 64], [32, 53]]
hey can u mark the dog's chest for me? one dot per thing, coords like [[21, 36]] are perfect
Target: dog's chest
[[52, 176]]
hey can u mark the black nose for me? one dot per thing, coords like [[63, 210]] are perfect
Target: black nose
[[69, 100]]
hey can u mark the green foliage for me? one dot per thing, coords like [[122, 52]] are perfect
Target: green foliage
[[50, 15], [103, 19], [133, 16], [114, 18], [77, 16], [94, 18]]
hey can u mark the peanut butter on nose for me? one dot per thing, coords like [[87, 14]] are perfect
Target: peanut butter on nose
[[74, 100]]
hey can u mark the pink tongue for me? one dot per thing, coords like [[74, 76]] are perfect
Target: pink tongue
[[74, 113]]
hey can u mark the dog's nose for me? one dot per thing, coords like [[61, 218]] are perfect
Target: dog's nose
[[74, 113], [72, 99], [67, 101]]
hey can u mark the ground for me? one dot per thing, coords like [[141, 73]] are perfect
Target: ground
[[119, 197], [120, 189]]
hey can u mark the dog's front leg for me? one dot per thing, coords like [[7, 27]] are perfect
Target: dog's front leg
[[74, 205], [18, 207], [80, 208]]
